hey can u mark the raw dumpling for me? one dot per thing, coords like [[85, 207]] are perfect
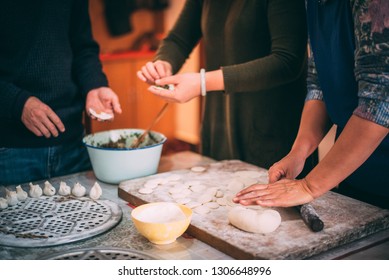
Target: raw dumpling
[[78, 190], [3, 203], [95, 191], [21, 194], [35, 191], [11, 197], [64, 189], [48, 189]]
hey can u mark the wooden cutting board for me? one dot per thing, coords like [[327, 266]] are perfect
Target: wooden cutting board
[[345, 219]]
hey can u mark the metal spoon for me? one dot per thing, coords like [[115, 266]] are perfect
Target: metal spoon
[[139, 140]]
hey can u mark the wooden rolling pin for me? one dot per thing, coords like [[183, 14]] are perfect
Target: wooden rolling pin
[[310, 217]]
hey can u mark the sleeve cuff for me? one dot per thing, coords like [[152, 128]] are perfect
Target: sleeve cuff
[[373, 110], [97, 82], [314, 94], [20, 101]]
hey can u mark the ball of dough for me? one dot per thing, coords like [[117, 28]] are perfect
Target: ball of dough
[[250, 220]]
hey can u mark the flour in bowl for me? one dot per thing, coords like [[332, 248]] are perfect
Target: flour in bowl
[[161, 213]]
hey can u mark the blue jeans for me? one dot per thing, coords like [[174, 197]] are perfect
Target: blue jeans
[[23, 165]]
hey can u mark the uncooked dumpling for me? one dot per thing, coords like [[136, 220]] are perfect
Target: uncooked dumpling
[[11, 197], [78, 190], [95, 191], [249, 220], [21, 194], [48, 189], [3, 203], [35, 191], [64, 189]]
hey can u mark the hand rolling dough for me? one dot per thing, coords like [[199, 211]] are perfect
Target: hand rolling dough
[[249, 220]]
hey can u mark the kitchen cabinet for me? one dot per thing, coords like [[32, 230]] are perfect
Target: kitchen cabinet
[[138, 104]]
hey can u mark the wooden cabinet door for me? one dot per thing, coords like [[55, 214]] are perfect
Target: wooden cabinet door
[[139, 106]]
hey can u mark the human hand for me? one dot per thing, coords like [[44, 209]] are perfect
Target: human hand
[[41, 119], [153, 71], [284, 193], [186, 87], [102, 99], [288, 167]]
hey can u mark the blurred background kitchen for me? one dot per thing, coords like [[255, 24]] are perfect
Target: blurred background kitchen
[[128, 32]]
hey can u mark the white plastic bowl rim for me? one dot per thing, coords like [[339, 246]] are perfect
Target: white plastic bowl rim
[[125, 131]]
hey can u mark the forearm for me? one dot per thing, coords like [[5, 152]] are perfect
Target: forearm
[[356, 143], [286, 60], [87, 67], [313, 127], [214, 80], [183, 37]]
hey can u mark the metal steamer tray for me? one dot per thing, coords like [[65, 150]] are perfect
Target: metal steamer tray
[[55, 220], [99, 254]]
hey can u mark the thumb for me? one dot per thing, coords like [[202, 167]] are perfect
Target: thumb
[[275, 175], [116, 104], [167, 80]]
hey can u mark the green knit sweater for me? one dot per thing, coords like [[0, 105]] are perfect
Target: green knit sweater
[[260, 45]]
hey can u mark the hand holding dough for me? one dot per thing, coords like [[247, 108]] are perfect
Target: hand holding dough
[[254, 221]]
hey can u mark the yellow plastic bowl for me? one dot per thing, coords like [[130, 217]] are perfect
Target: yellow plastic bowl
[[154, 222]]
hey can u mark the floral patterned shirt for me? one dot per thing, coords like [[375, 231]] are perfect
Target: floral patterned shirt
[[371, 31]]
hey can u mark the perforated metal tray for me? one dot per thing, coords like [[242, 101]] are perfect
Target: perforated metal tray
[[55, 220], [99, 254]]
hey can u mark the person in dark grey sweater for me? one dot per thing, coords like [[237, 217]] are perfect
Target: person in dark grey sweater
[[255, 62], [49, 72]]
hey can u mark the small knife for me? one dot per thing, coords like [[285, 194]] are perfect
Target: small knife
[[310, 217]]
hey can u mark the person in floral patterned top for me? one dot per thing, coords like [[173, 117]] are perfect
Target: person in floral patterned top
[[348, 85]]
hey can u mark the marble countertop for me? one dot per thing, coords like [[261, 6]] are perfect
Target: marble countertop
[[125, 236]]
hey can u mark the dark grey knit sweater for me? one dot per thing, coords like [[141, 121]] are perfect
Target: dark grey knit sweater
[[47, 51], [260, 45]]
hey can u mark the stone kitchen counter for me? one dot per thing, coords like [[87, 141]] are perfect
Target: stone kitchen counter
[[125, 236]]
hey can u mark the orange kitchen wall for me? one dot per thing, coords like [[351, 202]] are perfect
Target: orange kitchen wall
[[120, 65]]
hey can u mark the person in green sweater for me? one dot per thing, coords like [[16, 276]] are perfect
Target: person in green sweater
[[254, 83]]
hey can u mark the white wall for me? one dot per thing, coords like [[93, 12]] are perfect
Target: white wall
[[326, 143]]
